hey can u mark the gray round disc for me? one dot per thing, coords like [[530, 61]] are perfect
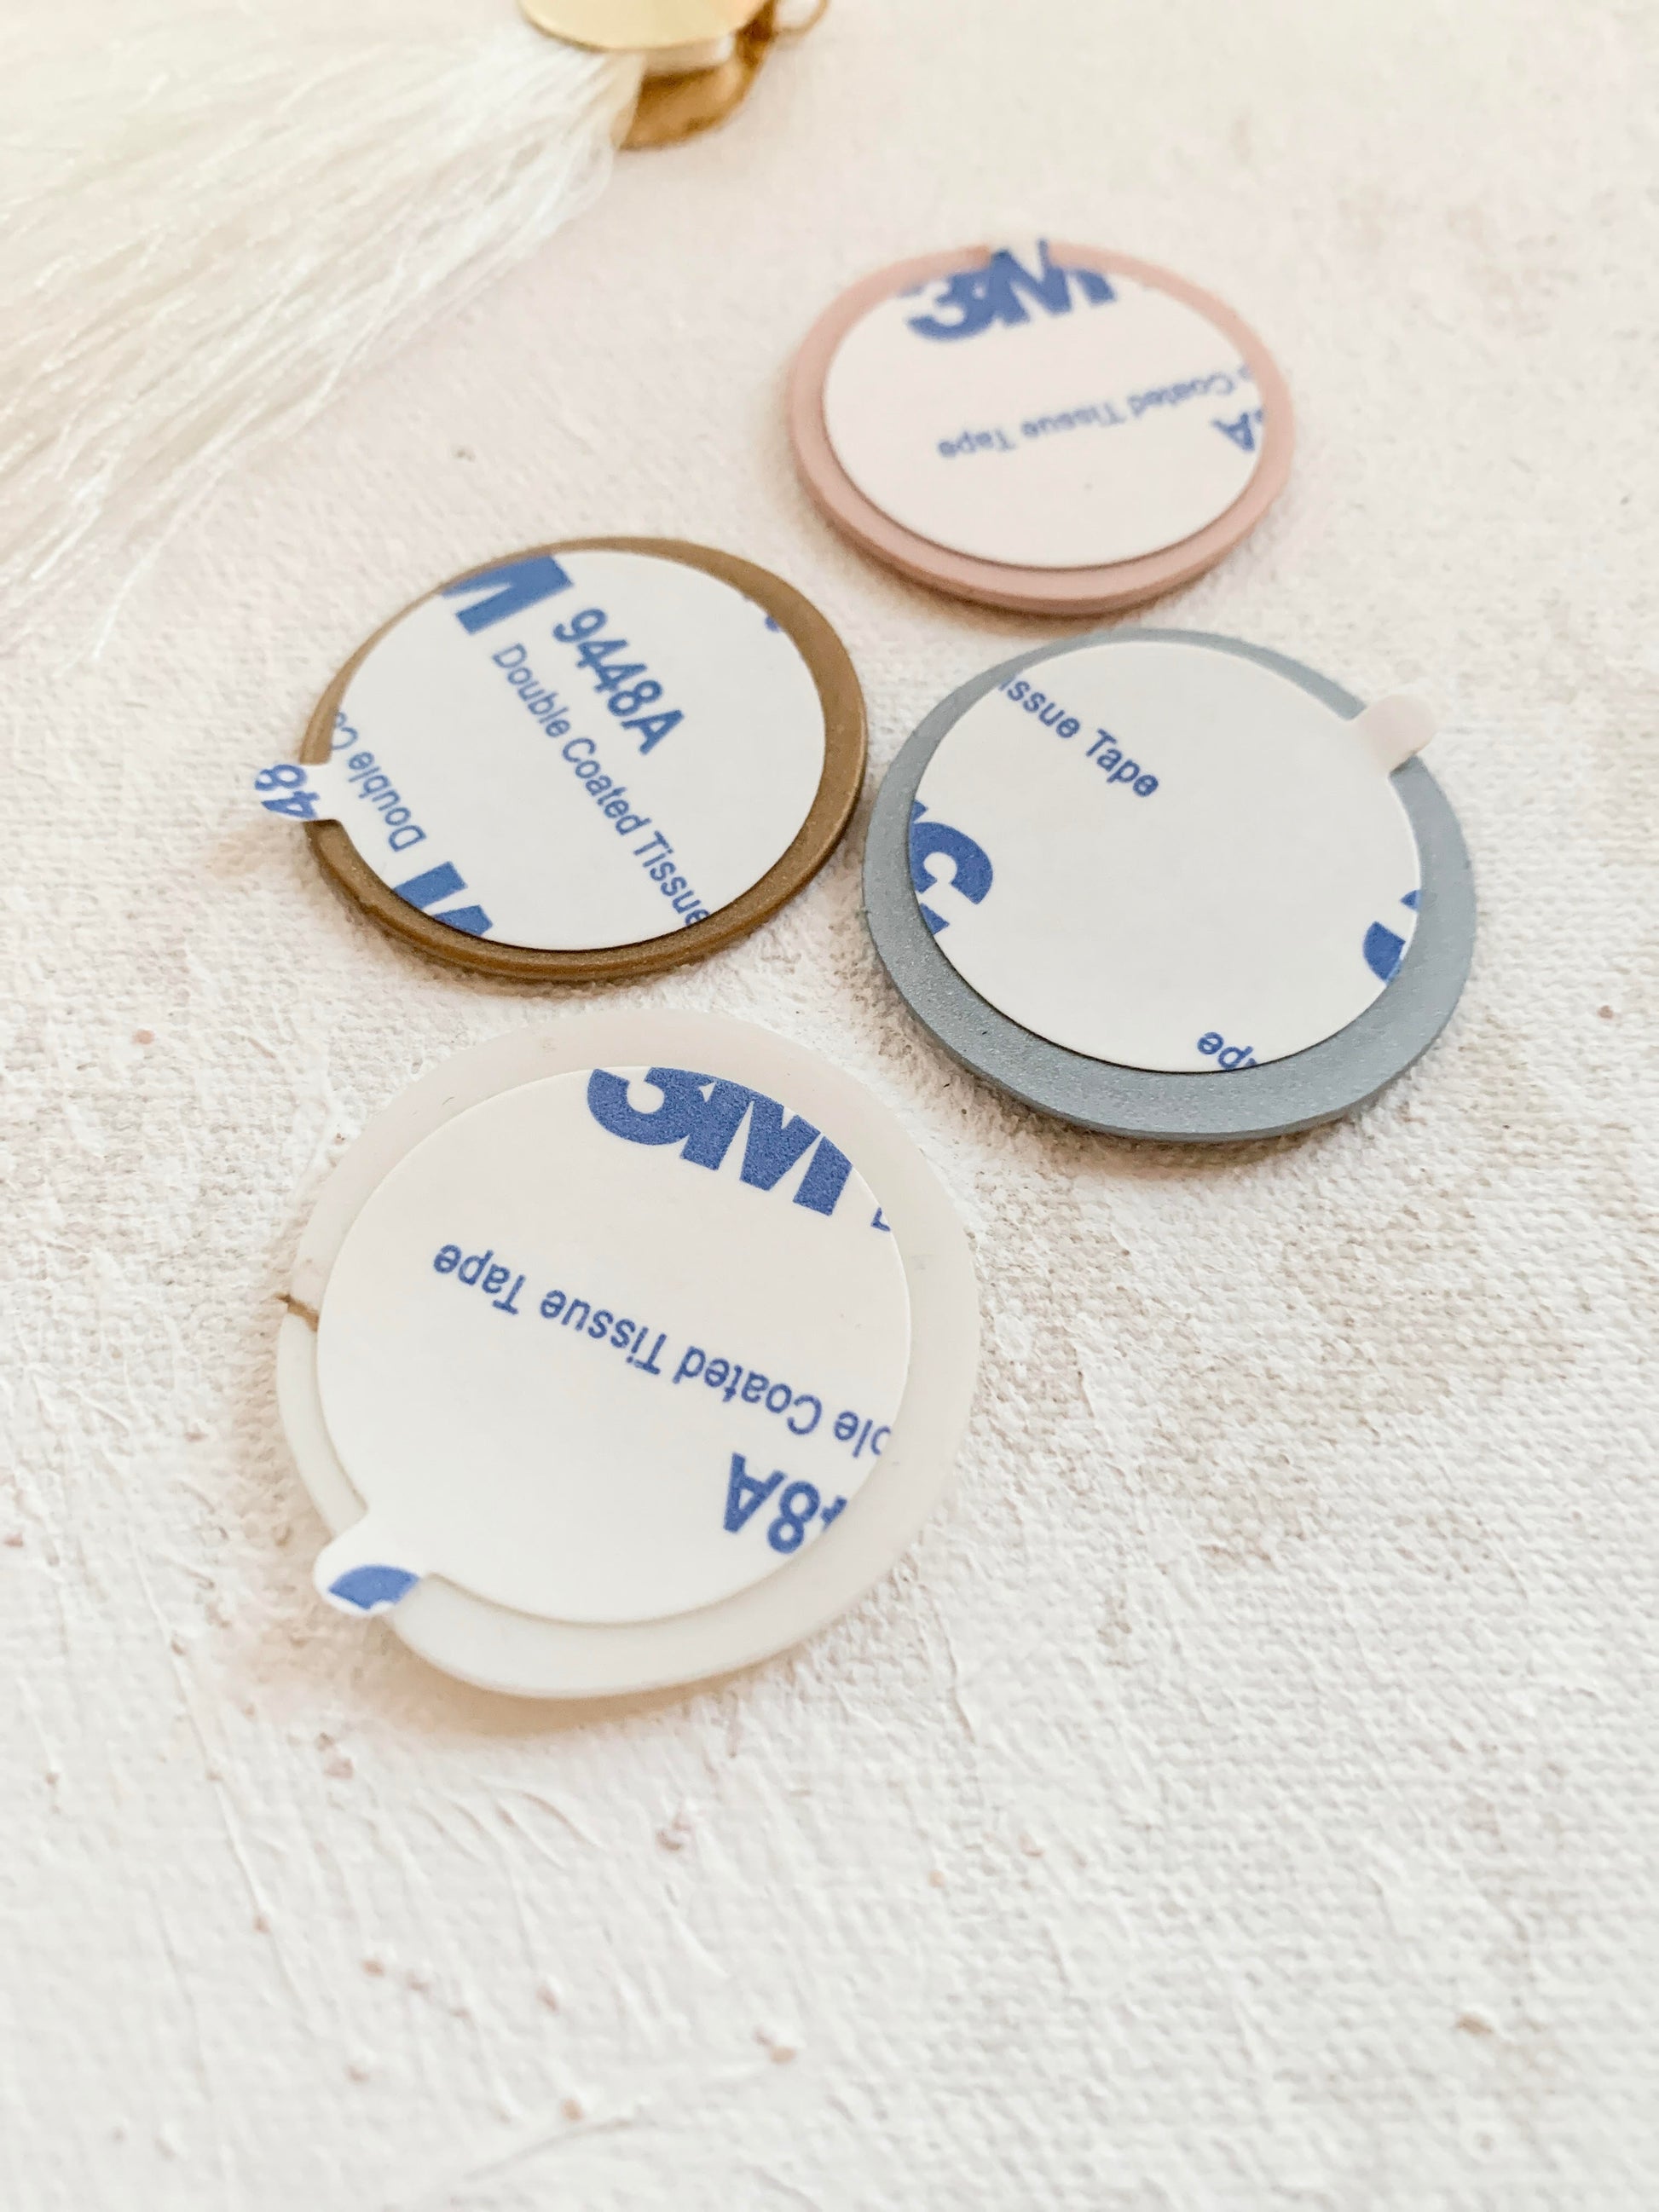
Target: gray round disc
[[1328, 1080]]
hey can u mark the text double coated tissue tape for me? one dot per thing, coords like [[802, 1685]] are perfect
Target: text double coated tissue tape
[[587, 760], [625, 1352]]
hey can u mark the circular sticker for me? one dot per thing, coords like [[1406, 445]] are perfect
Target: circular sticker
[[919, 881], [611, 1346], [599, 1344], [589, 759], [1043, 414], [1165, 857], [1040, 425]]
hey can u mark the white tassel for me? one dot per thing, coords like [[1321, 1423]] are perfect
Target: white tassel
[[209, 212]]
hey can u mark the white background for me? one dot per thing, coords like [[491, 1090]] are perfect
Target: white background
[[1245, 1796]]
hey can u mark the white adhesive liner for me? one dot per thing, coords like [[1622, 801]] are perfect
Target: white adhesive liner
[[583, 750], [1168, 858], [777, 1598], [612, 1346], [1043, 416]]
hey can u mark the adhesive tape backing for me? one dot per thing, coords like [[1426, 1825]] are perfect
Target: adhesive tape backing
[[1040, 425], [587, 760], [1120, 927], [624, 1354], [1238, 833]]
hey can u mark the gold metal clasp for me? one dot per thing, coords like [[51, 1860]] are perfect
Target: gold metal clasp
[[701, 57]]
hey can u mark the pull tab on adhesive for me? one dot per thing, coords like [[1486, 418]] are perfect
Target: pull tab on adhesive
[[357, 1574], [1393, 729]]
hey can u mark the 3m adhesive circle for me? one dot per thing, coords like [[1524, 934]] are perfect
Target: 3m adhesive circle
[[585, 760], [1165, 857], [1040, 425], [622, 1360], [1125, 935], [612, 1345]]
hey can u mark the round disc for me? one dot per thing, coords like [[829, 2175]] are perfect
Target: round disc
[[1046, 426], [557, 1508], [638, 749], [545, 1394], [638, 26], [1242, 1101], [1165, 857]]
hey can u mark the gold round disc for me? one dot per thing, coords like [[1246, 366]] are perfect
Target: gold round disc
[[841, 780], [672, 108], [638, 27]]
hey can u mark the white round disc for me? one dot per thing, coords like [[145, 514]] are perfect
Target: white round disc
[[1165, 858], [1042, 416], [751, 1437], [578, 750], [614, 1345]]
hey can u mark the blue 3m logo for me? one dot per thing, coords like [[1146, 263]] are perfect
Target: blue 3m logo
[[996, 292], [703, 1114]]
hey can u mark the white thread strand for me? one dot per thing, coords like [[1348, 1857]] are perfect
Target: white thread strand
[[209, 213]]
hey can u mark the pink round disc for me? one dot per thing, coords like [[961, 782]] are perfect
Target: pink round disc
[[1039, 425]]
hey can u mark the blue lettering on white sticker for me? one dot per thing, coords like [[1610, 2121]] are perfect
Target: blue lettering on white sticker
[[1242, 430], [295, 798], [443, 882], [971, 870], [703, 1114], [974, 298], [631, 692], [519, 584], [640, 1344], [371, 1589], [1105, 752], [1215, 1046], [1383, 951], [746, 1493]]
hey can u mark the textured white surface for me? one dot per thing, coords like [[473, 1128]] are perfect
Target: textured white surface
[[1245, 1796]]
